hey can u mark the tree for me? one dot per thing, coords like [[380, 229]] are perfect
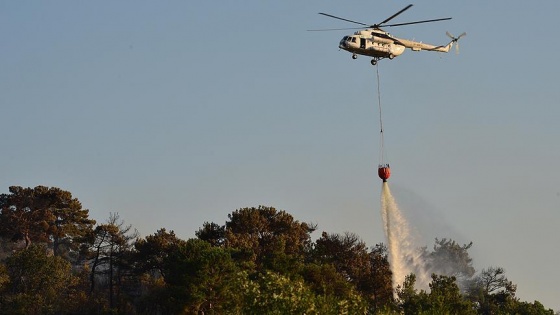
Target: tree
[[409, 299], [213, 233], [110, 253], [44, 214], [451, 259], [346, 252], [272, 293], [380, 278], [40, 283], [151, 252], [494, 281], [324, 279], [368, 272], [5, 284], [151, 257], [200, 279], [25, 216], [535, 308], [492, 292], [271, 238], [445, 297]]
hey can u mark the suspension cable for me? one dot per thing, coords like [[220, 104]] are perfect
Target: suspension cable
[[382, 144]]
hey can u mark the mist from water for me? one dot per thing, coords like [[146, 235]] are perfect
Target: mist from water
[[404, 254]]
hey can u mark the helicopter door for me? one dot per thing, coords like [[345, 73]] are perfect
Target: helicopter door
[[363, 43]]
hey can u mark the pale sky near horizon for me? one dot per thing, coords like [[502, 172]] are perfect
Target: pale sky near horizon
[[179, 112]]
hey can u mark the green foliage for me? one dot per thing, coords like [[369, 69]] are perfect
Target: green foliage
[[445, 297], [324, 279], [262, 261], [346, 252], [151, 252], [272, 293], [492, 292], [267, 235], [409, 300], [535, 308], [368, 272], [212, 233], [200, 278], [111, 261], [379, 283], [451, 259], [39, 283], [46, 215]]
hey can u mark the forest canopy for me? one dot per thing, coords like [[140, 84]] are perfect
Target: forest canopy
[[54, 259]]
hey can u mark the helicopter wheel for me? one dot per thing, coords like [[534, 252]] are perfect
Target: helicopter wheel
[[354, 56], [391, 56], [373, 62]]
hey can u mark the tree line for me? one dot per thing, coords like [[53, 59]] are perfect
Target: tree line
[[54, 259]]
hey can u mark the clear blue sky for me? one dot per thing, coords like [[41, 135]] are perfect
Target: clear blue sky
[[179, 112]]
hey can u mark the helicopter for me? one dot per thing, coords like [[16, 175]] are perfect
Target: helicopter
[[374, 42]]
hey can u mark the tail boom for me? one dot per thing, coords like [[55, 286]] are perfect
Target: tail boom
[[417, 46]]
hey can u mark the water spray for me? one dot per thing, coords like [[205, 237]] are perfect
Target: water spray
[[405, 257]]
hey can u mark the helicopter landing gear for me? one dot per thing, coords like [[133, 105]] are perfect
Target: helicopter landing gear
[[374, 60], [354, 56], [391, 56]]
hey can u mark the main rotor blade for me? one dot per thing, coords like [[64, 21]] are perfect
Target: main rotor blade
[[336, 29], [339, 18], [393, 16], [417, 22]]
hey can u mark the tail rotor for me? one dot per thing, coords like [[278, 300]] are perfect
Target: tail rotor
[[455, 40]]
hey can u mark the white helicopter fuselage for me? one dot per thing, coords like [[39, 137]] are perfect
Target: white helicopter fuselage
[[371, 43], [380, 44]]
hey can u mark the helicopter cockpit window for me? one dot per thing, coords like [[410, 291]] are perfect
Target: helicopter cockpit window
[[345, 38], [353, 39]]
